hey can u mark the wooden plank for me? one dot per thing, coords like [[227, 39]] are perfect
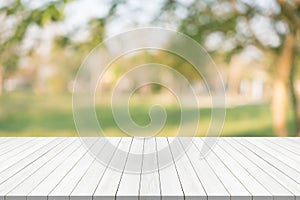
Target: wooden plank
[[130, 178], [5, 140], [169, 179], [13, 144], [63, 190], [231, 183], [274, 161], [16, 148], [21, 175], [279, 151], [294, 140], [24, 188], [191, 184], [23, 163], [244, 158], [212, 185], [87, 185], [286, 144], [291, 142], [48, 184], [108, 184], [149, 184], [286, 181], [23, 152], [62, 168], [256, 189]]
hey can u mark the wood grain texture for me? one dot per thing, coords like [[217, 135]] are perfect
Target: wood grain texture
[[64, 169]]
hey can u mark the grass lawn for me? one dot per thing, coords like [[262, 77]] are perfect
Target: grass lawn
[[28, 115]]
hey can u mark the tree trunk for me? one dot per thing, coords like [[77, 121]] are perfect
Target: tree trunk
[[295, 106], [280, 87]]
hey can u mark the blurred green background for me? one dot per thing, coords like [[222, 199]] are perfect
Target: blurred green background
[[30, 115], [255, 45]]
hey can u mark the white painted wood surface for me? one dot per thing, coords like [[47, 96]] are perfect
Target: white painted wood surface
[[63, 169]]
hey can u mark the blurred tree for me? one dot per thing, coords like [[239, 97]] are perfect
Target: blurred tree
[[233, 25], [291, 14], [16, 17], [227, 27], [67, 54]]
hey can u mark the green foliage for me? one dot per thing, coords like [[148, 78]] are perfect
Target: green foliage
[[10, 63], [51, 11], [207, 17]]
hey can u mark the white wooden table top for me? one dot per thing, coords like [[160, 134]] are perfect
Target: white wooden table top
[[237, 168]]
